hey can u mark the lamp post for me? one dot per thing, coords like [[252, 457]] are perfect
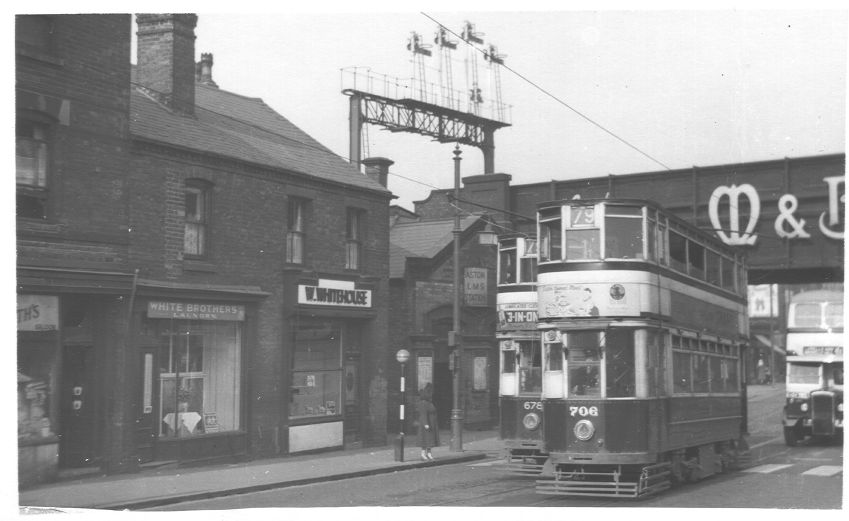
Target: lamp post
[[402, 356], [454, 338]]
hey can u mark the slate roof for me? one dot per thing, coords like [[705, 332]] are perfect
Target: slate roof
[[422, 239], [243, 129]]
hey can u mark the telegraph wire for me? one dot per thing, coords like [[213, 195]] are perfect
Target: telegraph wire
[[555, 98]]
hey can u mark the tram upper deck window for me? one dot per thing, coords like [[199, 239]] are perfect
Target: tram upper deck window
[[583, 359], [695, 259], [623, 232], [619, 363], [712, 267], [728, 274], [507, 262], [551, 245], [528, 262], [834, 314], [678, 251], [582, 233]]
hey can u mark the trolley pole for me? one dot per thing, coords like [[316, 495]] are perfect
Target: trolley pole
[[455, 336]]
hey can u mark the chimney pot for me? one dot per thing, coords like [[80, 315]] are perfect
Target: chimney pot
[[203, 71], [377, 168]]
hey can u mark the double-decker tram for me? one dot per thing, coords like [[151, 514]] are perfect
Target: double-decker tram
[[520, 380], [643, 319], [814, 402]]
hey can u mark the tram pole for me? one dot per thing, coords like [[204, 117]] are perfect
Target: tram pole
[[455, 336]]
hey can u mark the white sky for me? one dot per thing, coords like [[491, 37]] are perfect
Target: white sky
[[685, 87]]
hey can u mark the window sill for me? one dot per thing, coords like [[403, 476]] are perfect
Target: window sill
[[199, 265]]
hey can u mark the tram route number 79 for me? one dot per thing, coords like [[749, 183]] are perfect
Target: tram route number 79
[[583, 410]]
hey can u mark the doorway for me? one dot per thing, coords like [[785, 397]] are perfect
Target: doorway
[[78, 405]]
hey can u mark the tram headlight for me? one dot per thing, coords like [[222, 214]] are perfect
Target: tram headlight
[[531, 421], [804, 407], [584, 430]]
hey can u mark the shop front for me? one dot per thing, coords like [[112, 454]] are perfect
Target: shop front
[[192, 381], [332, 323]]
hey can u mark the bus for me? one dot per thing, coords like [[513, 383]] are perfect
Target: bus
[[643, 320], [814, 390], [520, 368]]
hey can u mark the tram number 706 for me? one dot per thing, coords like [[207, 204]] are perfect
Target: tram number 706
[[583, 411]]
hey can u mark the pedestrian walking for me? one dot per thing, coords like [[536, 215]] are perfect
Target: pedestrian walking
[[426, 421]]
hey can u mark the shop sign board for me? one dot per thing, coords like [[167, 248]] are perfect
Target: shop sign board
[[334, 293], [195, 311], [474, 285], [38, 313]]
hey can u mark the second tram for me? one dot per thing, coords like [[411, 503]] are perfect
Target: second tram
[[520, 384], [643, 321], [814, 405]]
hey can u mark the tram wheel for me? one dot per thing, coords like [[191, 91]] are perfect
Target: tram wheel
[[791, 436]]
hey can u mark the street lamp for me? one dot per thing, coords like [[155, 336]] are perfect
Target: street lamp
[[454, 337], [402, 356]]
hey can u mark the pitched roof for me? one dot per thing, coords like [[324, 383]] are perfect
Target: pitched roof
[[422, 239], [243, 129]]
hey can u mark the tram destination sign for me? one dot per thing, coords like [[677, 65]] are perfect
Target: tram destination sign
[[823, 350]]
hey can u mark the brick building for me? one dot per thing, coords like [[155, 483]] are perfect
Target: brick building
[[197, 278]]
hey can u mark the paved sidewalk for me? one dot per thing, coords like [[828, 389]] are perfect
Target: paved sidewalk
[[150, 488]]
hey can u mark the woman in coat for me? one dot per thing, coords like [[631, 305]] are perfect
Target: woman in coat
[[426, 421]]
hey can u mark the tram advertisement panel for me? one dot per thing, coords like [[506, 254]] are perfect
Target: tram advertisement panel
[[589, 300], [517, 315]]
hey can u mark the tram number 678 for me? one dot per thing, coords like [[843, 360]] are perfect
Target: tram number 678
[[583, 410]]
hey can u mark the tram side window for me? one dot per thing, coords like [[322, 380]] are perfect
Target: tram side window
[[678, 252], [681, 372], [701, 373], [530, 367], [623, 232], [837, 374], [696, 259], [712, 267], [551, 247], [728, 273], [583, 361], [661, 239], [508, 361], [619, 363], [808, 315]]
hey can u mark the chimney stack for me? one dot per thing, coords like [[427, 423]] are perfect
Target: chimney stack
[[166, 58], [203, 70], [377, 168]]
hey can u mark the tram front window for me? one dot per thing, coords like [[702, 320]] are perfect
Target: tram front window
[[583, 360], [803, 373], [530, 367], [619, 364], [623, 232]]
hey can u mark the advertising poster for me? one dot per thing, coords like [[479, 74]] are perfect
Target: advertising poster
[[588, 300]]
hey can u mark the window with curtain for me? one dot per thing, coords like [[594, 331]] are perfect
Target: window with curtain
[[31, 161], [295, 231], [353, 239], [197, 216]]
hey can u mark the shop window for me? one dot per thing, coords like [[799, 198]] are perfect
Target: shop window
[[197, 196], [530, 367], [619, 363], [424, 371], [295, 231], [583, 359], [353, 239], [32, 149], [199, 377], [316, 370], [623, 232], [712, 267], [701, 373], [728, 274]]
